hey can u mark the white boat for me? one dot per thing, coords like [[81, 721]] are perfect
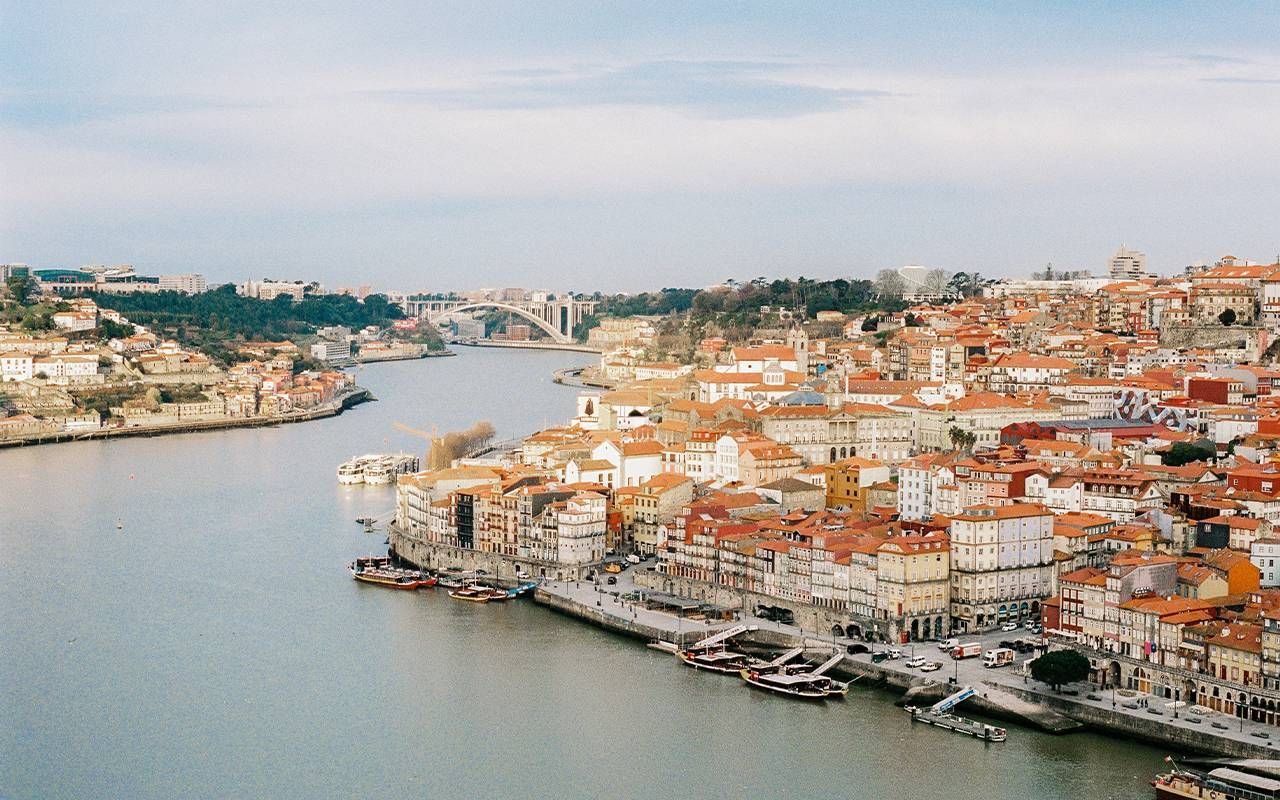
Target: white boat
[[376, 469], [352, 472]]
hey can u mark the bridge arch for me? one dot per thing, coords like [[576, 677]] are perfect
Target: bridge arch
[[542, 324]]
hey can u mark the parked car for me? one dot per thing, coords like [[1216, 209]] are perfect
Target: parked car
[[931, 666], [612, 580], [1009, 626], [947, 645], [895, 652]]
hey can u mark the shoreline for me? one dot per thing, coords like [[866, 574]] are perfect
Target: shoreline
[[331, 409], [1040, 710]]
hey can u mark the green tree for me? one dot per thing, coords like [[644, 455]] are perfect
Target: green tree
[[1060, 666], [871, 323], [22, 287], [1187, 452], [1227, 317]]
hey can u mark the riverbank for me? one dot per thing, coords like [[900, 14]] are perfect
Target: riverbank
[[362, 358], [572, 347], [572, 376], [1001, 694], [330, 409]]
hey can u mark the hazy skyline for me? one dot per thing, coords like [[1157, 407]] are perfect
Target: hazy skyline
[[633, 146]]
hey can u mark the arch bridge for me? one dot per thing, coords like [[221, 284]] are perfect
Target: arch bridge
[[557, 318]]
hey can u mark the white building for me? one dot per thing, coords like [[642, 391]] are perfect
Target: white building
[[191, 283], [581, 525], [1001, 564], [1265, 553], [331, 351], [16, 366], [269, 289], [1127, 264]]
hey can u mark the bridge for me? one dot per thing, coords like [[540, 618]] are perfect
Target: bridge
[[555, 316]]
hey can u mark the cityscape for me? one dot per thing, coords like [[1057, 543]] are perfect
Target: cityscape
[[562, 410]]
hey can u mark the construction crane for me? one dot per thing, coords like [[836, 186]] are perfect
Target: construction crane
[[433, 438]]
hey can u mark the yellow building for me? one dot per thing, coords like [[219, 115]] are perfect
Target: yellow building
[[849, 482]]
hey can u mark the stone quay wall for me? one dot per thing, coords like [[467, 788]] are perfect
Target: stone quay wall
[[503, 568]]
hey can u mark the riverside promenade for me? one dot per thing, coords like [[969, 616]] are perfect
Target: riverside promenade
[[330, 409], [1006, 693]]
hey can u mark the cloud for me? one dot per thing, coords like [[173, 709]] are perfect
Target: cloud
[[1235, 79], [724, 89], [1208, 59]]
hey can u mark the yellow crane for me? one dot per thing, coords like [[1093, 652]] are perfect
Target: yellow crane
[[433, 438]]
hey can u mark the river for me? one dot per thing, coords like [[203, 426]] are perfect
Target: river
[[216, 646]]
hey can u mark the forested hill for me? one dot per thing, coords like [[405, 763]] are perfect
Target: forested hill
[[224, 312]]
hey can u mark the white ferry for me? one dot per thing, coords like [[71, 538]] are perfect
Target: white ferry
[[376, 469]]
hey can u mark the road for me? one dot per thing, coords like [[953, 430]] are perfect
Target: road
[[965, 672]]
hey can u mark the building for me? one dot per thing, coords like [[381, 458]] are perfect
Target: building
[[913, 588], [1002, 565], [331, 351], [849, 482], [190, 283], [1127, 264]]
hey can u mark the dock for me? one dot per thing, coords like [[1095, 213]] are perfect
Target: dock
[[939, 715]]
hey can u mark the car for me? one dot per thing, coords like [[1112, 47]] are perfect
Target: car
[[931, 666], [855, 649], [522, 575], [916, 663], [948, 645], [895, 652], [1009, 626], [612, 580], [1195, 720]]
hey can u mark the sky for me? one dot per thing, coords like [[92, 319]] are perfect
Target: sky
[[630, 146]]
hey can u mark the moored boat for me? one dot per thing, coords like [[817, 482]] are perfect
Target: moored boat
[[800, 685], [379, 570], [1223, 783], [726, 662], [471, 594]]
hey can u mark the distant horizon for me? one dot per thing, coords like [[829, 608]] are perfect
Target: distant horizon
[[214, 281], [627, 147]]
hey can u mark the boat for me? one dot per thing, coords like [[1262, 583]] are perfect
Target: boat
[[725, 662], [472, 594], [800, 685], [1223, 783], [449, 582], [352, 472], [379, 570], [375, 468]]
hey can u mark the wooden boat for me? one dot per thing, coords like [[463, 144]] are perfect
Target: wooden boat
[[800, 685], [725, 662], [471, 594], [380, 571], [499, 595]]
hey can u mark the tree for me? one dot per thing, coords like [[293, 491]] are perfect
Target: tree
[[871, 323], [936, 282], [22, 287], [1060, 666], [1186, 452], [1227, 317], [890, 284], [962, 439]]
